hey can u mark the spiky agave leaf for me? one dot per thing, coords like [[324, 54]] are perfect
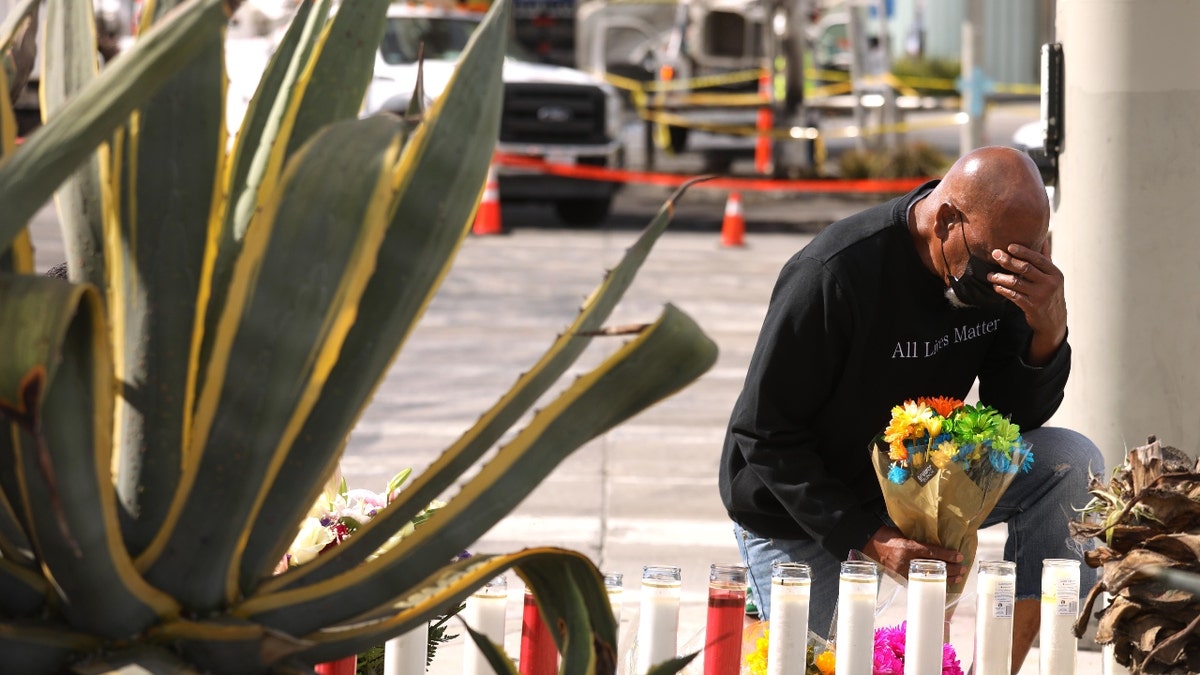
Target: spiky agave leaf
[[56, 385], [155, 254], [532, 384], [28, 178], [664, 357], [448, 155]]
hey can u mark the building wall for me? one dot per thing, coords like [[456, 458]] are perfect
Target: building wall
[[1014, 31]]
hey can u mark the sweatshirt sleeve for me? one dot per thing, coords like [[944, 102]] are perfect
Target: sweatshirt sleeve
[[795, 369], [1028, 394]]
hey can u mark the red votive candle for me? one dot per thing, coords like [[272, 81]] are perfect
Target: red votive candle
[[726, 614], [539, 655]]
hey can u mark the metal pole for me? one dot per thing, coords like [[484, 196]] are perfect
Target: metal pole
[[972, 76], [857, 44], [889, 116], [1125, 234]]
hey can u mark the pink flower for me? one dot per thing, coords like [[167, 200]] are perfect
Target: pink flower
[[950, 664], [889, 653]]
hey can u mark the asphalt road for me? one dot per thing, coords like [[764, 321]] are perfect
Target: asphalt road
[[645, 492]]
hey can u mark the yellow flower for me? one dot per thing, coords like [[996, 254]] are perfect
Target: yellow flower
[[756, 661], [826, 663], [940, 457], [932, 424], [910, 420]]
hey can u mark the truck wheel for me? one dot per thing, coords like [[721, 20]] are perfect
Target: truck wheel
[[583, 212]]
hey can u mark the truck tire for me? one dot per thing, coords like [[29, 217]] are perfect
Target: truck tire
[[583, 212]]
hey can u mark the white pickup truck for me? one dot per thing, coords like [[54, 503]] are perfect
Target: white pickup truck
[[560, 115]]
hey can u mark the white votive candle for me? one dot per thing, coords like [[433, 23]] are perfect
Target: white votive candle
[[658, 623], [1060, 605], [997, 586], [484, 613], [787, 646], [858, 587], [405, 654], [925, 617], [614, 584]]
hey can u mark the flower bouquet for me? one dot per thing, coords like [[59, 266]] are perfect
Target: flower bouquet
[[887, 657], [338, 513], [942, 466]]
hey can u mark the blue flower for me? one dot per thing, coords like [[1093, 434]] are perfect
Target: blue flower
[[1001, 462], [897, 474], [1025, 453]]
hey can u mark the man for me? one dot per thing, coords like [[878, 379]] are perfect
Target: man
[[920, 296]]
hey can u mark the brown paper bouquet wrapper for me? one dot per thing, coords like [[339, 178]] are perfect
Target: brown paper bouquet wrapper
[[946, 511]]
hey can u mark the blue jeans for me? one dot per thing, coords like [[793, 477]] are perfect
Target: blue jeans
[[1037, 507]]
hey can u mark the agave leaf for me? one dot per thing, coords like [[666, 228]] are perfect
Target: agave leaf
[[463, 454], [492, 652], [174, 159], [12, 24], [562, 605], [255, 163], [227, 645], [294, 296], [68, 65], [672, 666], [23, 592], [63, 458], [664, 357], [41, 647], [14, 545], [343, 64], [138, 659], [47, 158], [448, 156], [567, 581]]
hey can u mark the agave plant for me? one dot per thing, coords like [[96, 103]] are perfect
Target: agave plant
[[171, 412]]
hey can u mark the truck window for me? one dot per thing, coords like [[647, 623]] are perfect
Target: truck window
[[444, 38], [725, 34]]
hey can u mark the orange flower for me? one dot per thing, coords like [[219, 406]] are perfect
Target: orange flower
[[826, 663], [942, 405], [897, 452]]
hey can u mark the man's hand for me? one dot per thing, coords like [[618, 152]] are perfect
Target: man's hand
[[1035, 284], [889, 548]]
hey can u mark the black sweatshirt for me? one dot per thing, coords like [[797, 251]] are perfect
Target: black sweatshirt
[[856, 325]]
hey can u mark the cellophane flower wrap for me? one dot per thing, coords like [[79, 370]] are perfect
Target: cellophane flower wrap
[[942, 466]]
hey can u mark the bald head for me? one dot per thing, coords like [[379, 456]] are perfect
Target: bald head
[[1000, 190]]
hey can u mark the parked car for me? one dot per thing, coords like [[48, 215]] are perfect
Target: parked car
[[558, 114]]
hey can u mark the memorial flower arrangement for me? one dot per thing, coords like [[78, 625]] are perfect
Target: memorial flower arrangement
[[942, 465], [889, 653], [887, 657], [338, 513], [817, 662]]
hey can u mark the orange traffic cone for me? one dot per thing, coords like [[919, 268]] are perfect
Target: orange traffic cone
[[487, 216], [764, 122], [733, 227]]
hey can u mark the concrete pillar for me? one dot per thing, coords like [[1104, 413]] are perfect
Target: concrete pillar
[[1126, 228]]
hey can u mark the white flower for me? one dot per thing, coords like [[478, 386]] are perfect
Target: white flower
[[312, 538]]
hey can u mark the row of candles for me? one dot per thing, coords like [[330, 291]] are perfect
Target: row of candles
[[658, 624]]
